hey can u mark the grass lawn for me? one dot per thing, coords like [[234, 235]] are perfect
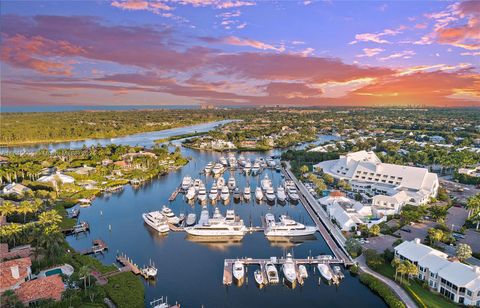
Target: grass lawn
[[423, 297], [125, 290]]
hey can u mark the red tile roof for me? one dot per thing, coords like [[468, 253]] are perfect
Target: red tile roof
[[6, 278], [43, 288]]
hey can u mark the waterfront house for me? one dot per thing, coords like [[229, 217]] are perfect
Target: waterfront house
[[15, 189], [63, 178], [14, 272], [45, 288], [367, 174], [455, 280]]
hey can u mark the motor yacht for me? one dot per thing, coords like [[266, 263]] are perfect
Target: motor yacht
[[302, 270], [238, 272], [247, 167], [256, 168], [202, 194], [197, 183], [232, 161], [213, 195], [272, 273], [157, 221], [259, 278], [170, 216], [225, 194], [218, 169], [325, 271], [281, 196], [191, 218], [291, 191], [288, 227], [270, 194], [241, 160], [266, 183], [203, 216], [270, 162], [208, 168], [220, 183], [186, 183], [218, 226], [247, 193], [217, 217], [289, 272], [236, 194], [231, 183], [258, 194], [223, 160], [191, 193], [269, 219]]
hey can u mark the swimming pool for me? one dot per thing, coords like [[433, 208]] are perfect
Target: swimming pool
[[53, 272]]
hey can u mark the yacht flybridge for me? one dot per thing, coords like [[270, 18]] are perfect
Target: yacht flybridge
[[286, 227], [157, 221], [186, 183], [170, 216], [218, 226]]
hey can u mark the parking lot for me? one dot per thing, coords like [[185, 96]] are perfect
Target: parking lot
[[460, 192], [472, 238], [380, 243], [418, 230], [456, 217]]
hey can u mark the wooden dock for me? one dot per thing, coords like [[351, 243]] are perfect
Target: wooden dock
[[99, 246], [128, 264], [228, 264]]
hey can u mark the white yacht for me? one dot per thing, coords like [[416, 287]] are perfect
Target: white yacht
[[241, 160], [231, 183], [238, 272], [258, 194], [232, 161], [218, 169], [236, 194], [229, 226], [225, 193], [202, 194], [259, 278], [220, 183], [223, 160], [302, 270], [186, 183], [247, 167], [291, 191], [170, 216], [157, 221], [289, 272], [269, 219], [281, 196], [197, 183], [288, 227], [266, 183], [256, 168], [203, 216], [272, 273], [247, 193], [270, 194], [191, 193], [191, 218], [270, 162], [208, 168], [213, 195], [325, 271]]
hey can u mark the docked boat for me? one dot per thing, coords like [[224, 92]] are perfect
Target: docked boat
[[197, 183], [266, 183], [220, 183], [269, 219], [247, 167], [225, 193], [208, 168], [325, 271], [218, 226], [218, 169], [236, 194], [255, 168], [238, 272], [302, 270], [288, 227], [271, 163], [203, 216], [186, 183], [270, 194], [278, 168], [170, 216], [291, 191], [259, 278], [149, 271], [289, 272], [247, 193], [157, 221], [202, 194], [191, 218], [232, 161], [281, 196], [191, 193], [258, 194], [272, 273], [213, 195], [241, 160], [231, 183], [223, 161]]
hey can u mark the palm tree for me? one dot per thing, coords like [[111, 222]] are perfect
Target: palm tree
[[7, 208], [49, 217], [402, 270], [51, 244], [25, 208], [473, 204], [395, 263], [12, 232], [83, 272], [412, 269]]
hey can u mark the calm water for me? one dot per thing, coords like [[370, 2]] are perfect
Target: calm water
[[141, 139], [192, 272]]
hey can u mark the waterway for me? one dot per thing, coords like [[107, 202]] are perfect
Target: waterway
[[191, 272]]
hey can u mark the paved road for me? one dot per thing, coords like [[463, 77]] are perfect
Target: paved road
[[401, 293]]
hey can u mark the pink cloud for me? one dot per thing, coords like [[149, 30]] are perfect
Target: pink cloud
[[370, 52], [377, 37]]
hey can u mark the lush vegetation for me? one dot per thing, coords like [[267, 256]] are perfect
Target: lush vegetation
[[382, 290], [125, 290]]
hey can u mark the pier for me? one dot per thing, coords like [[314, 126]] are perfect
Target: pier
[[334, 238], [99, 246], [174, 194], [128, 264], [228, 264]]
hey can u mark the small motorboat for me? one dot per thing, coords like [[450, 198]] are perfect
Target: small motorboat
[[238, 272], [247, 193], [149, 271], [272, 273], [303, 271], [269, 219], [236, 194], [289, 272], [191, 219], [258, 194], [325, 271], [259, 278], [232, 183]]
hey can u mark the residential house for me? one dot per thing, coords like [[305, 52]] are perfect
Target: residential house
[[15, 189], [32, 291], [14, 272]]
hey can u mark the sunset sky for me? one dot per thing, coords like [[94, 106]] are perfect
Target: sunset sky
[[240, 52]]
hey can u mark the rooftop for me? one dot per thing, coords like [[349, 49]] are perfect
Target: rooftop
[[50, 287]]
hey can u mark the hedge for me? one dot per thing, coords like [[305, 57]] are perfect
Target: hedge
[[125, 290], [382, 290]]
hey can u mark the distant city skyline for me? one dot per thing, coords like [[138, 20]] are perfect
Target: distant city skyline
[[241, 52]]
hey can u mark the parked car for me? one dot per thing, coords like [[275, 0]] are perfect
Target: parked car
[[406, 230]]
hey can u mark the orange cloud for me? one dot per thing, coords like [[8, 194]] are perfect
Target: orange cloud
[[233, 40]]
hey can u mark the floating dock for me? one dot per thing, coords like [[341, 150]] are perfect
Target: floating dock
[[99, 246]]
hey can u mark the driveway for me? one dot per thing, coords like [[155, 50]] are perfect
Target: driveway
[[456, 217], [453, 190], [418, 230], [380, 243], [472, 238]]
